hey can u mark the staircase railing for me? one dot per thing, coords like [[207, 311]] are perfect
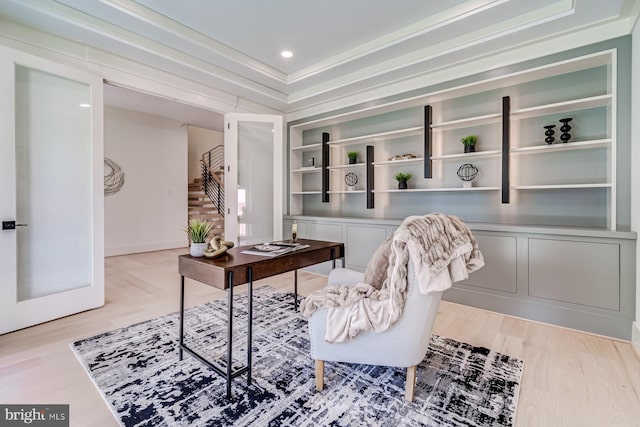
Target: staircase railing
[[212, 184]]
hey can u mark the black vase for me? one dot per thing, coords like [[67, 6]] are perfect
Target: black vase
[[402, 185], [549, 134], [565, 128], [469, 148], [353, 161]]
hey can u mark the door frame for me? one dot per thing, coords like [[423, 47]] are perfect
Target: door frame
[[231, 167], [30, 312]]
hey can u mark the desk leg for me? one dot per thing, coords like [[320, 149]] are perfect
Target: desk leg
[[295, 290], [333, 258], [229, 334], [249, 326], [181, 317]]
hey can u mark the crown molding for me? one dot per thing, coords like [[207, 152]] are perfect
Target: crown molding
[[466, 41], [512, 55], [128, 38], [416, 29], [161, 22]]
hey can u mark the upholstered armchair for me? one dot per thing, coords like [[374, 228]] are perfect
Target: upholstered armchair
[[403, 345]]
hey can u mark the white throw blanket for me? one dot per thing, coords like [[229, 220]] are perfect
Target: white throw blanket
[[442, 250]]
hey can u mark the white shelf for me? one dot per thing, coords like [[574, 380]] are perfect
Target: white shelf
[[304, 170], [558, 107], [306, 192], [397, 162], [467, 155], [354, 165], [578, 145], [378, 136], [420, 190], [309, 147], [468, 122], [560, 186], [347, 192]]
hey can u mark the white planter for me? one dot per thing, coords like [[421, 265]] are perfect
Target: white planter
[[197, 249]]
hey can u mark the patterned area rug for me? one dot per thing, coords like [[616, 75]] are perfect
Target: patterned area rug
[[138, 372]]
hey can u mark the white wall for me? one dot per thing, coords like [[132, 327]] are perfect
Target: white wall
[[635, 171], [200, 141], [148, 213]]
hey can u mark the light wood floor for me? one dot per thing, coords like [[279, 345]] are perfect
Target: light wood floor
[[570, 378]]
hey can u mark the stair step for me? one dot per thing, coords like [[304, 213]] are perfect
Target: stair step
[[203, 212], [211, 219]]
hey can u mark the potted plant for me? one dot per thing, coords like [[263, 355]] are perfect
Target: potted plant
[[469, 143], [353, 157], [198, 230], [402, 179]]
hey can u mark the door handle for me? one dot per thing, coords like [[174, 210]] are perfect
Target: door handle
[[11, 225]]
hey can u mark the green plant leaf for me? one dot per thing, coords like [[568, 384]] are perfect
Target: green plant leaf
[[402, 177], [198, 230]]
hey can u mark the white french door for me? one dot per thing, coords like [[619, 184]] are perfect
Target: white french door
[[51, 191], [253, 151]]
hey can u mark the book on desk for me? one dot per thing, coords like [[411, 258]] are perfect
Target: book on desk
[[273, 249]]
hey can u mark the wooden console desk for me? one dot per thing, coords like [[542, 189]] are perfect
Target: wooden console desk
[[234, 269]]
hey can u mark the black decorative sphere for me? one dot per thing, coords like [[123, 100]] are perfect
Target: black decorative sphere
[[467, 172], [351, 179]]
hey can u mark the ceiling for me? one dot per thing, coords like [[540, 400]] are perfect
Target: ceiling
[[341, 47]]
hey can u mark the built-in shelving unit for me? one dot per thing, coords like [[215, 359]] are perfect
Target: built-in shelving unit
[[508, 122], [577, 145], [468, 122], [560, 107], [467, 156], [306, 170], [438, 190], [382, 136], [347, 166], [544, 215], [398, 162], [561, 186]]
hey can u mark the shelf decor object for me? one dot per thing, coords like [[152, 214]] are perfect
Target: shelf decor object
[[549, 134], [467, 173], [353, 157], [351, 179], [469, 143], [565, 128], [402, 179]]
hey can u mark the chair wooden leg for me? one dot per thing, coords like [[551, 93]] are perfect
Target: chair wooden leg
[[319, 375], [410, 383]]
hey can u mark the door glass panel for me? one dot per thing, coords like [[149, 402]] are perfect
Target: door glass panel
[[53, 184], [255, 182]]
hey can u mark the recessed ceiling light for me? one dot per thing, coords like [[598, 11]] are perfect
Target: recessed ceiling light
[[85, 105], [286, 54]]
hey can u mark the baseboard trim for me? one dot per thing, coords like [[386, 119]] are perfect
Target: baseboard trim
[[635, 337], [147, 247]]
